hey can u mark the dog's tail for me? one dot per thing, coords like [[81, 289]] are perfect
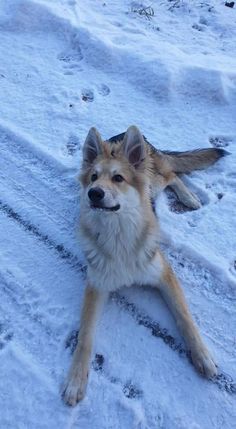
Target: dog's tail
[[185, 162]]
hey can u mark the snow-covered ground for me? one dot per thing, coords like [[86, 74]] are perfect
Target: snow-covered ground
[[65, 66]]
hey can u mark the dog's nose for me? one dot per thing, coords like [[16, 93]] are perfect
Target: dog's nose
[[96, 194]]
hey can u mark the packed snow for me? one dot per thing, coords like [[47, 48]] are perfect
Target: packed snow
[[169, 67]]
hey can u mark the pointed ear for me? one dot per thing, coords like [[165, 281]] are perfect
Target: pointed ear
[[134, 146], [92, 146]]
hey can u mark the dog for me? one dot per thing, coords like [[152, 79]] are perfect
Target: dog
[[120, 236]]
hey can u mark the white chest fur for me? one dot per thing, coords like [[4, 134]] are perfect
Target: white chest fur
[[121, 250]]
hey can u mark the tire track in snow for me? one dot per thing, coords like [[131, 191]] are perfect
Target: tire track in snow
[[223, 381], [28, 226], [37, 294], [49, 198]]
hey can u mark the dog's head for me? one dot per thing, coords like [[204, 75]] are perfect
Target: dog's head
[[114, 176]]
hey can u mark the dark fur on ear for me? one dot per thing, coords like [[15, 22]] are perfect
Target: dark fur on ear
[[92, 146], [134, 146]]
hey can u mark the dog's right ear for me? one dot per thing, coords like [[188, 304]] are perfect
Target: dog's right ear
[[92, 146]]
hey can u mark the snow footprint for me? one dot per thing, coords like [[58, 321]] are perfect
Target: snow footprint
[[71, 341], [71, 58], [131, 391], [72, 146], [220, 141], [221, 186], [5, 336], [104, 90], [87, 95]]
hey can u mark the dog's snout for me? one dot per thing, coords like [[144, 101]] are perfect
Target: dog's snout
[[96, 194]]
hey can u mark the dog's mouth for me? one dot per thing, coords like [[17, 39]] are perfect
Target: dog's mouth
[[103, 208]]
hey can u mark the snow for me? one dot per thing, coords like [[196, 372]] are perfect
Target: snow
[[66, 66]]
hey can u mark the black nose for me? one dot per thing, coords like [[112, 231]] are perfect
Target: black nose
[[96, 194]]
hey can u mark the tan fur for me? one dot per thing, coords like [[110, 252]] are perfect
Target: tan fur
[[185, 162], [174, 297], [120, 238], [78, 375]]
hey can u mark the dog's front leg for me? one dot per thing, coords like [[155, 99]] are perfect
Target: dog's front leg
[[75, 386], [174, 297]]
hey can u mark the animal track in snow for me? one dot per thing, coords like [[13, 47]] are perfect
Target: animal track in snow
[[87, 95], [72, 145], [198, 27], [220, 141], [131, 391], [104, 90], [98, 362], [71, 69], [5, 336], [71, 59], [71, 341], [220, 195], [71, 55]]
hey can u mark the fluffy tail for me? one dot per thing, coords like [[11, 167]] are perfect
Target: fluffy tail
[[185, 162]]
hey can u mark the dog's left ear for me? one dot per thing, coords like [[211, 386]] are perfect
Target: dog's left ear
[[134, 146]]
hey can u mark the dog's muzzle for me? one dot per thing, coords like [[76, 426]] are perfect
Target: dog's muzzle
[[96, 196]]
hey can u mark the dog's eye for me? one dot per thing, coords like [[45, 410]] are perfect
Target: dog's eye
[[118, 178], [94, 177]]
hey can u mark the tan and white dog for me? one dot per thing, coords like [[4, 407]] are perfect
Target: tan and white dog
[[120, 237]]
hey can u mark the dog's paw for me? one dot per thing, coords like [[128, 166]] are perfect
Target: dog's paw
[[192, 201], [75, 388], [203, 362], [195, 203]]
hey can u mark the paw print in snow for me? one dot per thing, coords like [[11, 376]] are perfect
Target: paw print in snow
[[87, 95], [104, 90], [131, 391], [220, 141], [5, 336], [73, 145]]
